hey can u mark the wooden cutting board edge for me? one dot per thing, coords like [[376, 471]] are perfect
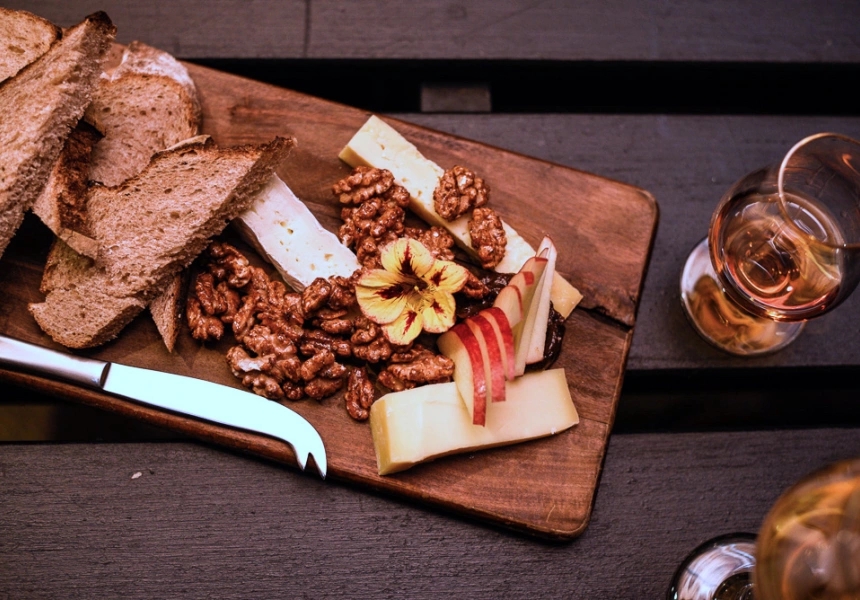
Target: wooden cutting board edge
[[262, 447]]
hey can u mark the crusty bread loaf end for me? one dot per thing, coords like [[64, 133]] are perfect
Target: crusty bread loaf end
[[49, 97]]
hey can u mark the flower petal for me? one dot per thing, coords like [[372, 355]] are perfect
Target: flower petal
[[447, 276], [406, 257], [384, 301], [405, 328], [438, 315], [379, 278]]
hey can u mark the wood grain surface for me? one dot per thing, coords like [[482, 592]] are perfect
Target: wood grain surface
[[603, 230], [799, 31], [201, 523]]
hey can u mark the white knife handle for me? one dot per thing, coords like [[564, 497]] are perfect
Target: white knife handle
[[76, 369]]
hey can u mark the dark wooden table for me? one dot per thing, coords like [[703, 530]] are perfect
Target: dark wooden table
[[678, 98]]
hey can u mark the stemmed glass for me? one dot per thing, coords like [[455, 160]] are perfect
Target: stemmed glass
[[783, 247], [808, 548]]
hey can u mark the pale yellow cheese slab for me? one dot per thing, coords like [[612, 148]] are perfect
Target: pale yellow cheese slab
[[427, 422], [379, 145]]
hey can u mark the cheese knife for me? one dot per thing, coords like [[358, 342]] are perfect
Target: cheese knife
[[186, 395]]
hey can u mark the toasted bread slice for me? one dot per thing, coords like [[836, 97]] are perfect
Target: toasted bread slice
[[24, 37], [47, 99], [146, 104], [185, 195]]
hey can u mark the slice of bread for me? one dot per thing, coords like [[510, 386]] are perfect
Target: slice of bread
[[167, 309], [43, 103], [24, 37], [146, 104], [149, 229], [79, 294], [62, 203]]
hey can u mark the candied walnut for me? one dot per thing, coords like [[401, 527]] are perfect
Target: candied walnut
[[336, 326], [287, 368], [312, 366], [334, 371], [373, 214], [342, 292], [367, 253], [321, 387], [293, 391], [458, 192], [475, 288], [437, 240], [203, 327], [215, 299], [229, 265], [263, 385], [251, 372], [363, 184], [316, 295], [488, 236], [209, 307], [315, 341], [388, 380], [359, 394], [369, 342], [416, 366], [241, 362]]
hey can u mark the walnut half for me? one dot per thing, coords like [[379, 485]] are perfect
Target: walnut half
[[458, 192]]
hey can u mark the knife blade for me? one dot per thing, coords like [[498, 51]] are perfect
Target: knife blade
[[177, 393]]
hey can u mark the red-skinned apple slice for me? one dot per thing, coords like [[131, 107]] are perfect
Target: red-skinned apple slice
[[461, 346], [527, 281], [491, 353], [524, 330], [541, 305], [505, 336], [510, 302]]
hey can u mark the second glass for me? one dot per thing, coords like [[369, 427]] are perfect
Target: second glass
[[783, 247]]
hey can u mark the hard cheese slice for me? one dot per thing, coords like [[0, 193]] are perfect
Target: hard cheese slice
[[282, 229], [427, 422], [379, 145]]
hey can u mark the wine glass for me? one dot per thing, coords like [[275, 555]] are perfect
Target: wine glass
[[808, 548], [783, 247]]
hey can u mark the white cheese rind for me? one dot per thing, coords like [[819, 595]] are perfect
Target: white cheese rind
[[379, 145], [285, 231], [431, 421]]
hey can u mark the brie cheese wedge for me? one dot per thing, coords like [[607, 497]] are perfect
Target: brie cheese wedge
[[283, 230]]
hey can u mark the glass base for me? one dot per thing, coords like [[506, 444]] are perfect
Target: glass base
[[719, 320], [719, 569]]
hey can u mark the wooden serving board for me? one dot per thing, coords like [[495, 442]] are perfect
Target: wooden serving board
[[603, 229]]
